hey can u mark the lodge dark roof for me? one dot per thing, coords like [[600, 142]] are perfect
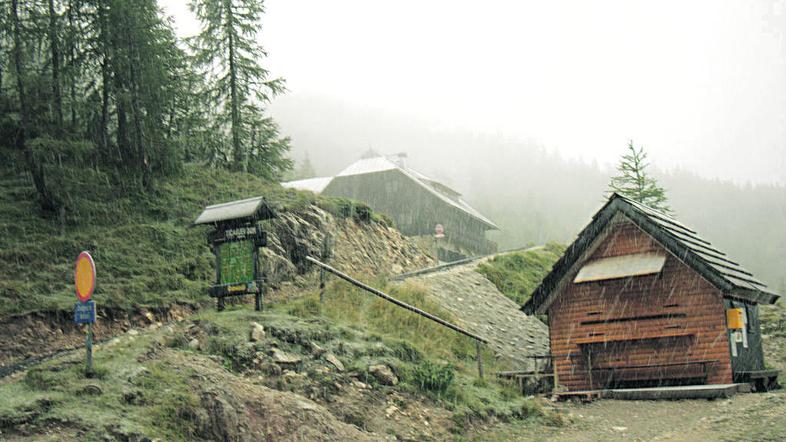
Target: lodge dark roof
[[679, 239], [375, 163]]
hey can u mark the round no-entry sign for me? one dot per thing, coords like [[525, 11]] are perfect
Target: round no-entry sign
[[84, 276]]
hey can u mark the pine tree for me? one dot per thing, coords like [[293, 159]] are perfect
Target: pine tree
[[228, 51], [47, 200], [633, 181]]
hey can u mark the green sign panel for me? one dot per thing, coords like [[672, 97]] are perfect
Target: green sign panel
[[237, 261]]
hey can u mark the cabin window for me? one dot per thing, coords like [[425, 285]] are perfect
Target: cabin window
[[618, 267]]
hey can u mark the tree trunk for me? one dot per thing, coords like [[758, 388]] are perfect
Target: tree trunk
[[1, 64], [139, 132], [48, 202], [239, 159], [53, 44], [122, 129], [72, 60], [103, 131]]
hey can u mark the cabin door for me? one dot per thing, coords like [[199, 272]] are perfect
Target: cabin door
[[745, 342]]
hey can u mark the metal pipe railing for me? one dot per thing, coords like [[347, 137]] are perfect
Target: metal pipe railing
[[393, 300]]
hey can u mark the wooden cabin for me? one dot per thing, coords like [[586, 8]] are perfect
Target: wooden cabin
[[420, 206], [640, 300]]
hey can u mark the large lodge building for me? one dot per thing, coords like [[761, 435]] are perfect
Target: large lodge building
[[639, 299], [420, 206]]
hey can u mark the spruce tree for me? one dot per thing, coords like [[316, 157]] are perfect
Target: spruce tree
[[228, 52], [635, 183]]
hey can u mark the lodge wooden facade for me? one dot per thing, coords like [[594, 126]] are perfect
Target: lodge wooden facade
[[640, 300]]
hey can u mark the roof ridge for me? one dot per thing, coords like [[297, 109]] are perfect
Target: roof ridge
[[676, 238]]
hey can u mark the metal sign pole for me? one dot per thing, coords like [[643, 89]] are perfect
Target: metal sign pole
[[85, 308], [89, 347]]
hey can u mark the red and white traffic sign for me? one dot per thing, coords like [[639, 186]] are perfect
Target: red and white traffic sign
[[84, 276]]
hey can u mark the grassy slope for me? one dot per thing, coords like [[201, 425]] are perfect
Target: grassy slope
[[517, 274], [144, 250], [147, 255], [149, 387]]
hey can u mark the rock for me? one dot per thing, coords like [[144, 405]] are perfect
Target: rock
[[257, 332], [193, 344], [92, 390], [133, 397], [220, 420], [330, 357], [390, 410], [271, 369], [619, 429], [383, 374], [132, 332], [316, 350], [360, 385], [291, 376], [279, 357]]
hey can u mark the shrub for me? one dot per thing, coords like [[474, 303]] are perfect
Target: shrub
[[433, 377], [305, 308]]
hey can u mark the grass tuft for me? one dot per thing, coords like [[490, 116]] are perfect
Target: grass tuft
[[518, 274]]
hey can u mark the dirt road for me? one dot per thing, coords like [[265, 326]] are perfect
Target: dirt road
[[745, 417]]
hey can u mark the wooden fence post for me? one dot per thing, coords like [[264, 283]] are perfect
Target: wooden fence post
[[480, 360]]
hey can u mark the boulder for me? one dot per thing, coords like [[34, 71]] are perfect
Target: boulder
[[334, 361], [316, 350], [383, 374], [257, 332], [279, 357]]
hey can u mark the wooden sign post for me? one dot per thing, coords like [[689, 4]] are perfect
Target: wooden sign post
[[85, 309], [235, 240]]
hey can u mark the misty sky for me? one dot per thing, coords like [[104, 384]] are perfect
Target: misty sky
[[701, 84]]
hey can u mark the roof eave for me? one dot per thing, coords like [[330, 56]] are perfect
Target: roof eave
[[757, 296]]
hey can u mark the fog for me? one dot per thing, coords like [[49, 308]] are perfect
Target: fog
[[699, 83], [524, 107]]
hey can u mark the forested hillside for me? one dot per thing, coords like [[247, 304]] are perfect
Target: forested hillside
[[102, 93], [531, 192]]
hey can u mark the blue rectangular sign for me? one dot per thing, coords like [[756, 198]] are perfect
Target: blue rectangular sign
[[85, 312]]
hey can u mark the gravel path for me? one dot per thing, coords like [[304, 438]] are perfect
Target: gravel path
[[482, 309]]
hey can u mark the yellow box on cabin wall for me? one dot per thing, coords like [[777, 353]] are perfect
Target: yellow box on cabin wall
[[734, 319]]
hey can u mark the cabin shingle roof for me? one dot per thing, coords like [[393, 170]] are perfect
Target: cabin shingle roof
[[677, 238]]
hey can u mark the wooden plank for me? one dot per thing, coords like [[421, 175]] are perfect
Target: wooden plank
[[681, 392], [605, 340]]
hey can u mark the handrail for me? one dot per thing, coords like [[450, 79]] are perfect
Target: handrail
[[393, 300]]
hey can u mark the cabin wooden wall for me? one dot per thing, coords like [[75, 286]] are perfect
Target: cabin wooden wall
[[694, 306]]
